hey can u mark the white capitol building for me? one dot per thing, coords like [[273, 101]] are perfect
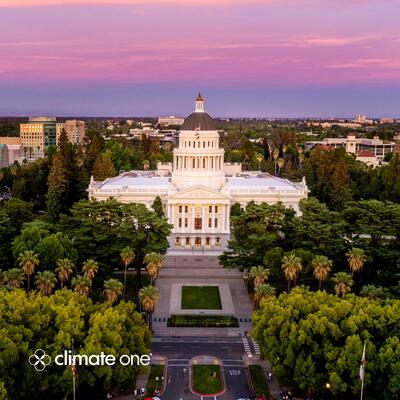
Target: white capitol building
[[198, 188]]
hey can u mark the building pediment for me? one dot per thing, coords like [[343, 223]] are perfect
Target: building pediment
[[199, 192]]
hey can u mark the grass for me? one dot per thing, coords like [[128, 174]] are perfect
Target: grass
[[206, 321], [201, 298], [203, 381], [259, 380], [152, 383]]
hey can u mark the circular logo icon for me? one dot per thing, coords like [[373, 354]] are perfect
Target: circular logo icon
[[39, 360]]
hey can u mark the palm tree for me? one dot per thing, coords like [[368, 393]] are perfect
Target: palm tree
[[127, 256], [343, 283], [322, 266], [275, 155], [112, 289], [14, 278], [64, 270], [153, 262], [259, 275], [356, 259], [263, 291], [281, 163], [291, 265], [81, 285], [90, 268], [373, 292], [45, 282], [149, 297], [28, 261]]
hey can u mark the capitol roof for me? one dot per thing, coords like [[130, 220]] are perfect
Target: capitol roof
[[198, 121], [262, 182]]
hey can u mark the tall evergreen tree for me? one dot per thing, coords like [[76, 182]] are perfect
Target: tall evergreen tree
[[103, 167]]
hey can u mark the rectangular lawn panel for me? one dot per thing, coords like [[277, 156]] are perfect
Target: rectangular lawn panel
[[201, 298], [203, 381], [205, 321]]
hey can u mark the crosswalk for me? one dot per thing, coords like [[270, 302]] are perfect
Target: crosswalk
[[247, 346]]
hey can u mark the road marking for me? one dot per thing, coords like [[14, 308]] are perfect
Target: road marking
[[256, 348]]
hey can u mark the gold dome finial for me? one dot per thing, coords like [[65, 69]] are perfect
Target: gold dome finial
[[199, 97]]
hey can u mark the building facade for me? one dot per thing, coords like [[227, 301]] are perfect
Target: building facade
[[37, 135], [376, 146], [75, 130], [198, 189]]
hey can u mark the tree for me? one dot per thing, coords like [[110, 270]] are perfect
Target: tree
[[291, 265], [67, 181], [103, 167], [236, 209], [315, 338], [374, 292], [255, 231], [127, 256], [64, 269], [90, 268], [45, 282], [28, 261], [81, 285], [343, 283], [19, 211], [149, 297], [259, 275], [391, 179], [322, 265], [153, 262], [356, 259], [158, 207], [14, 278], [262, 292], [113, 288]]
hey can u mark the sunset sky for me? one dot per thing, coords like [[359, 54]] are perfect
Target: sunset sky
[[249, 58]]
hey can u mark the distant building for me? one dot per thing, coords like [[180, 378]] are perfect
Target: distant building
[[362, 119], [368, 157], [379, 148], [10, 150], [387, 121], [166, 121], [396, 139], [327, 125], [37, 135], [75, 130]]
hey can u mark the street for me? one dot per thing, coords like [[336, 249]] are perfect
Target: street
[[180, 350]]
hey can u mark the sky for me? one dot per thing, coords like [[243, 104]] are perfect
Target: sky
[[255, 58]]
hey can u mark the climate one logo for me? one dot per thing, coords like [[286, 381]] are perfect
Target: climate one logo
[[39, 360]]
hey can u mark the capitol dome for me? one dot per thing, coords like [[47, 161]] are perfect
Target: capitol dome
[[199, 120]]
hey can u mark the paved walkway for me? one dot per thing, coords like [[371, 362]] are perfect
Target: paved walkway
[[198, 270]]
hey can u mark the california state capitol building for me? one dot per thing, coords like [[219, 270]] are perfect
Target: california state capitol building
[[197, 189]]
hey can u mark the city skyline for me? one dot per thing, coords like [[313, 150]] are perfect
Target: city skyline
[[260, 59]]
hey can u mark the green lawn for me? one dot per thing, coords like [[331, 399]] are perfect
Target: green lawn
[[201, 298], [259, 380], [203, 381], [152, 383]]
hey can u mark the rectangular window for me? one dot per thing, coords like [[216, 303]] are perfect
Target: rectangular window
[[186, 209], [207, 241], [198, 223], [186, 222], [216, 209], [180, 209], [209, 222], [177, 241], [218, 241], [180, 223], [197, 241], [188, 241], [210, 209], [216, 222]]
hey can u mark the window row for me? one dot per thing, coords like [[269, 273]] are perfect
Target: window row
[[187, 241]]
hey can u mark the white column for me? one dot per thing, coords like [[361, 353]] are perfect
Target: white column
[[213, 219], [191, 224], [223, 218], [203, 217], [227, 217]]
